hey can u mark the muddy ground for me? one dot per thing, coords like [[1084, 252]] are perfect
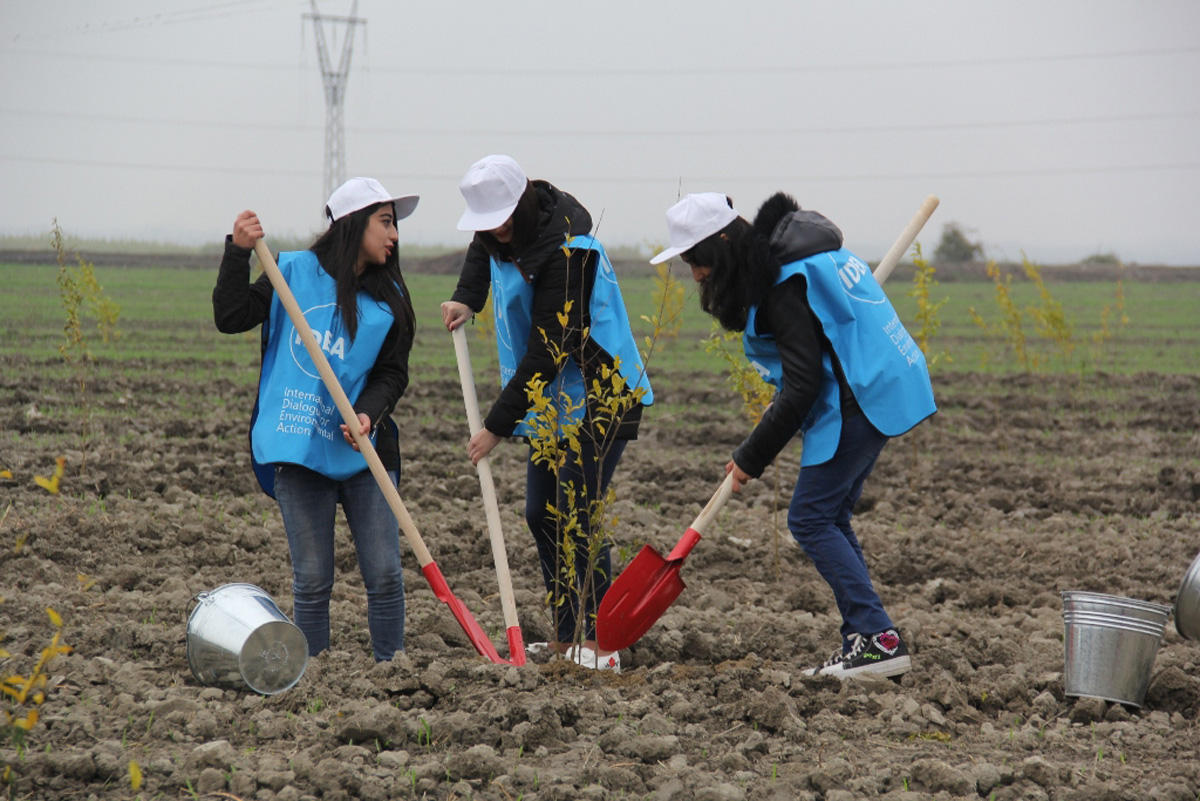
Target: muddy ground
[[1019, 489]]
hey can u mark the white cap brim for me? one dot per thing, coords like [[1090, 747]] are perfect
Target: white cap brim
[[669, 253], [405, 205], [692, 220], [484, 221]]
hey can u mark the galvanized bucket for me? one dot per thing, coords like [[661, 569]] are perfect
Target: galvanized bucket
[[1110, 645], [1187, 602], [237, 635]]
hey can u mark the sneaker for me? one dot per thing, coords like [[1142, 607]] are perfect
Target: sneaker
[[883, 654], [536, 647], [586, 657], [834, 659]]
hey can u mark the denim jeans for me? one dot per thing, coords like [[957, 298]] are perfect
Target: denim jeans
[[309, 501], [593, 572], [819, 519]]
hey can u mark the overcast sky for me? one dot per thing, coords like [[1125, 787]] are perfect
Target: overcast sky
[[1058, 129]]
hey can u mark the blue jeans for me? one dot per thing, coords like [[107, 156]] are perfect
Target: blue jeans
[[575, 600], [819, 519], [309, 501]]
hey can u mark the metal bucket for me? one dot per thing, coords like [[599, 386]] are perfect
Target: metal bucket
[[1110, 645], [237, 635], [1187, 603]]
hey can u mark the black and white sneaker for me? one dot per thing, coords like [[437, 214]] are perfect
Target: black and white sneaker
[[882, 654]]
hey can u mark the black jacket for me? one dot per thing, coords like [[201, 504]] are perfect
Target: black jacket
[[239, 305], [556, 278], [786, 315]]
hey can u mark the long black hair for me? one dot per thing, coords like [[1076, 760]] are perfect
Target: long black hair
[[337, 249], [743, 267]]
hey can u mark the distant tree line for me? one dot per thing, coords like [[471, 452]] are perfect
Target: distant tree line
[[956, 247]]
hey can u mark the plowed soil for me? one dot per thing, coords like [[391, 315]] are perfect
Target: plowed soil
[[973, 525]]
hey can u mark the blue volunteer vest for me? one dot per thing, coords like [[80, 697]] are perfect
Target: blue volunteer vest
[[295, 419], [883, 365], [512, 301]]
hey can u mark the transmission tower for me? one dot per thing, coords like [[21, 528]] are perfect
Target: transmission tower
[[334, 79]]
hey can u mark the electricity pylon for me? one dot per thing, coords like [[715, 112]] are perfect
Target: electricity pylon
[[334, 79]]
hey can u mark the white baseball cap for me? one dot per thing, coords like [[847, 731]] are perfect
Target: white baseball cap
[[491, 187], [358, 193], [694, 219]]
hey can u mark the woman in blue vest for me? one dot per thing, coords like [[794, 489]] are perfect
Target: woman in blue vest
[[819, 328], [349, 285], [550, 283]]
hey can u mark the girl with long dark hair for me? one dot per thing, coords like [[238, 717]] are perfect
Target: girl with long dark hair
[[818, 327], [353, 295]]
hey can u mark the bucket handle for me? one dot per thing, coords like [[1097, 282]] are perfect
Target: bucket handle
[[195, 601]]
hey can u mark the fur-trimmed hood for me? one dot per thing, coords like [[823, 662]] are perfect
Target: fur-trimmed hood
[[794, 233]]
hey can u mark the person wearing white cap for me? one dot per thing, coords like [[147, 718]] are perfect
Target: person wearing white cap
[[818, 327], [552, 286], [353, 295]]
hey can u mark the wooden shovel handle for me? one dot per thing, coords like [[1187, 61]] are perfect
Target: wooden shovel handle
[[898, 249], [714, 505], [390, 493], [486, 485]]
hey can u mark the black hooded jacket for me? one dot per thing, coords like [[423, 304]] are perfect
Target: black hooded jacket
[[537, 251], [786, 315]]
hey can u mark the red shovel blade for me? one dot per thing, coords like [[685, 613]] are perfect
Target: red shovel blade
[[516, 646], [474, 631], [640, 595]]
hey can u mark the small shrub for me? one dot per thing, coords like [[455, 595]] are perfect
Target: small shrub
[[928, 321], [1049, 315], [1112, 317], [556, 425], [669, 299], [756, 393], [25, 694], [82, 297], [1009, 328]]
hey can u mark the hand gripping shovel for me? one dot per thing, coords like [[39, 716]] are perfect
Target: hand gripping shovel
[[433, 574], [650, 584], [516, 645]]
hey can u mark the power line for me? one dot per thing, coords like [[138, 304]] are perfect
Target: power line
[[1033, 172], [131, 165], [576, 72], [864, 66], [222, 10], [190, 124], [550, 133]]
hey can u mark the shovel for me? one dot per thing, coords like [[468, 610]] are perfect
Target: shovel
[[433, 574], [649, 584], [516, 645]]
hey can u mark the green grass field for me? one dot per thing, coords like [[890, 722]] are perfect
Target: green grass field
[[165, 317]]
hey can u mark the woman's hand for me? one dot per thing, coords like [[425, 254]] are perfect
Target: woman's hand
[[481, 445], [247, 230], [364, 428], [455, 314], [740, 476]]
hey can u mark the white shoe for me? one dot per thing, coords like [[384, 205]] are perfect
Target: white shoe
[[536, 647], [586, 657]]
